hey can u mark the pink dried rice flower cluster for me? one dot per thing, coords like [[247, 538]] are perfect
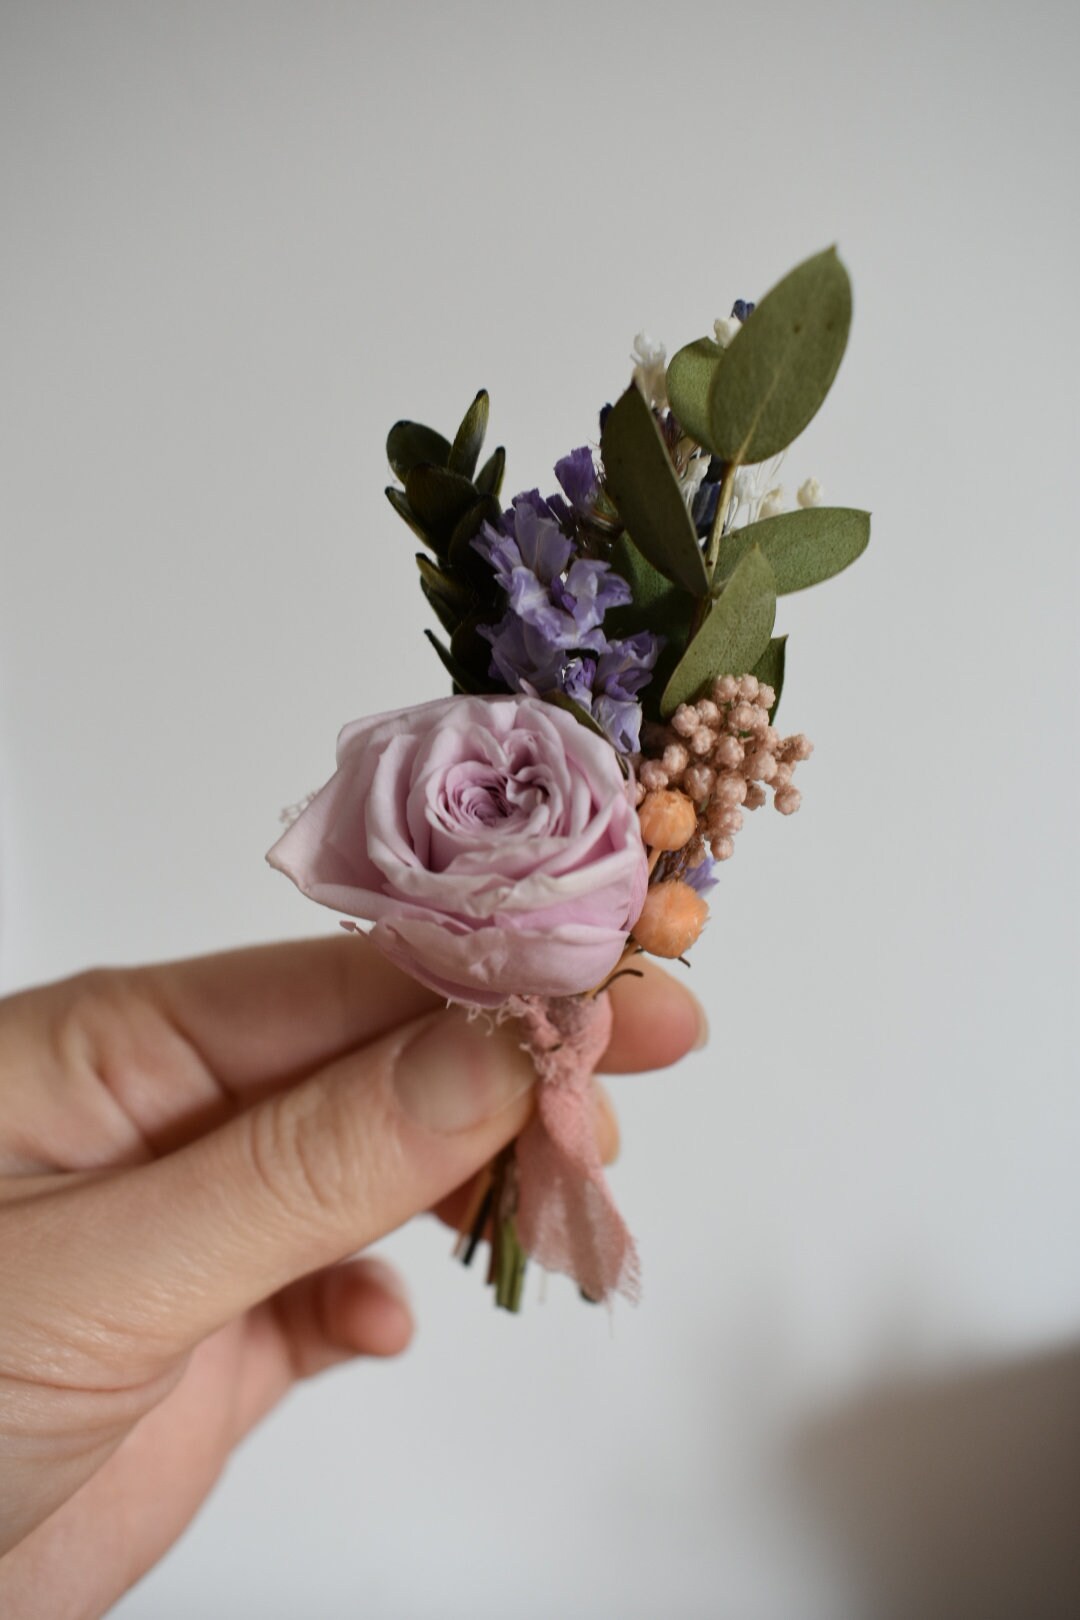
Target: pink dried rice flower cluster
[[722, 752]]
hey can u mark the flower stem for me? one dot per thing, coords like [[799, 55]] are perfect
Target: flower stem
[[727, 484], [633, 949], [508, 1258], [475, 1221]]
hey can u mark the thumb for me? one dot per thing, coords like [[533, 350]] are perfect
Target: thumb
[[297, 1182]]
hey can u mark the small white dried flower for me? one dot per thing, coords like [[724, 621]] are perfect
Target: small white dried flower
[[773, 504], [810, 493], [693, 478], [725, 329], [650, 369]]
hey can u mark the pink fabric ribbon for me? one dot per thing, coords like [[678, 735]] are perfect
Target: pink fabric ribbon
[[567, 1220]]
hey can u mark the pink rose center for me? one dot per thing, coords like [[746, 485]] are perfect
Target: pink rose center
[[478, 795]]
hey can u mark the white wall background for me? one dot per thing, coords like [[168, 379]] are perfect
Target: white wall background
[[238, 241]]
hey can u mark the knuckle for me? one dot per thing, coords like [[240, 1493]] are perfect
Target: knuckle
[[299, 1152], [99, 1002]]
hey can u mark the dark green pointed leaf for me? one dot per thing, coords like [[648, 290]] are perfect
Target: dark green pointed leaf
[[401, 506], [465, 451], [639, 476], [780, 365], [465, 561], [770, 669], [461, 677], [652, 593], [803, 547], [485, 510], [734, 635], [451, 600], [472, 650], [442, 583], [411, 443], [689, 377], [489, 478], [657, 605], [447, 615], [582, 716], [439, 498]]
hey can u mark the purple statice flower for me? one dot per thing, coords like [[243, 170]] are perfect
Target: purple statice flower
[[550, 638], [702, 877], [576, 473], [552, 507], [603, 677], [622, 669], [522, 658], [527, 537], [561, 597]]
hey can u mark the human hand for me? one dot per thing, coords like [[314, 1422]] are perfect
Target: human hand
[[187, 1152]]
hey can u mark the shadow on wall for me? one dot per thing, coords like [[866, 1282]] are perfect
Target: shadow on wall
[[956, 1499]]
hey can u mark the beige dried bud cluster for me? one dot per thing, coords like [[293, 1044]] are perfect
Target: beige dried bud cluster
[[720, 754], [694, 781]]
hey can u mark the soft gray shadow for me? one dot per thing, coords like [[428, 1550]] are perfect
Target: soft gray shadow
[[956, 1499]]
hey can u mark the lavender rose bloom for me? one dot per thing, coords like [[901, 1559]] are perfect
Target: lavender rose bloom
[[493, 842]]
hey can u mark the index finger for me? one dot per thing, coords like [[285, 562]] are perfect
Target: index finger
[[263, 1017]]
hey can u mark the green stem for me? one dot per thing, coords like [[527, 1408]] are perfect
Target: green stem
[[508, 1257], [727, 484]]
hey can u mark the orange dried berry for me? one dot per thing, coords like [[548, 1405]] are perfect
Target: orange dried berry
[[668, 819], [671, 919]]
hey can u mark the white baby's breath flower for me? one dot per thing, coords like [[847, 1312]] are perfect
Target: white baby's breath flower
[[752, 487], [725, 329], [810, 493], [692, 479], [747, 485], [773, 504], [650, 370]]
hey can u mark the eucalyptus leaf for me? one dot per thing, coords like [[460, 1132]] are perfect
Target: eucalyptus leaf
[[639, 476], [461, 677], [439, 498], [770, 669], [780, 365], [803, 547], [733, 636], [409, 444], [465, 450], [399, 502], [689, 378], [489, 478]]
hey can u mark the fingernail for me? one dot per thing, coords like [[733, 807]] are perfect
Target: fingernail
[[456, 1073]]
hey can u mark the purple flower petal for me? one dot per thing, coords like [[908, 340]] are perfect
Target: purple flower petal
[[702, 878], [577, 475], [576, 680], [625, 666], [620, 722]]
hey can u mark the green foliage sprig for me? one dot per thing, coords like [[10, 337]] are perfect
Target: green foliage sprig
[[743, 404], [444, 500], [713, 603]]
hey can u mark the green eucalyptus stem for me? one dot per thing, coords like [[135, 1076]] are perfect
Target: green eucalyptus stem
[[712, 556]]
